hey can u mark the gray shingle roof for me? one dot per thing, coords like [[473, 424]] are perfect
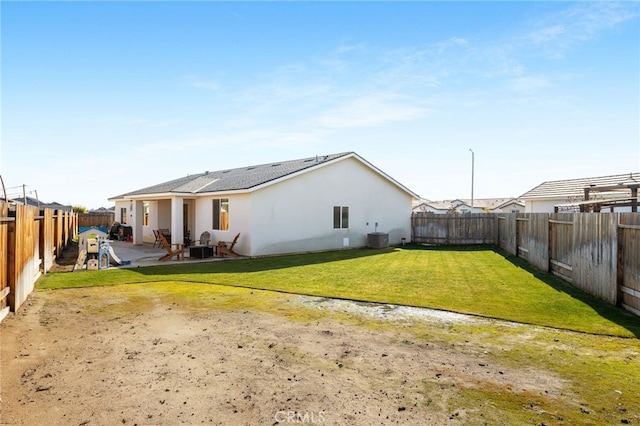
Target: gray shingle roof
[[484, 203], [575, 187], [241, 178], [34, 202]]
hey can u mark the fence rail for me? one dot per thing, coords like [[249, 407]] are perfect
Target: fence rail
[[30, 240], [596, 252]]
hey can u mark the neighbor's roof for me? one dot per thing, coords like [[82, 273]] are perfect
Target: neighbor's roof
[[246, 178], [35, 203], [484, 203], [575, 187]]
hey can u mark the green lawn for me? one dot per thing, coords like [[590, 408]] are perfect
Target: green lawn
[[472, 280]]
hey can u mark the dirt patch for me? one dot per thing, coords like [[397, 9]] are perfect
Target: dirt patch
[[84, 357], [67, 259]]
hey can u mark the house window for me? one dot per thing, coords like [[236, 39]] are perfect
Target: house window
[[123, 215], [221, 214], [145, 219], [340, 217]]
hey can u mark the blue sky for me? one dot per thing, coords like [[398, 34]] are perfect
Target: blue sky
[[101, 98]]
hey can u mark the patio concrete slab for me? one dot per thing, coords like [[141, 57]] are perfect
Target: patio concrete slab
[[147, 255]]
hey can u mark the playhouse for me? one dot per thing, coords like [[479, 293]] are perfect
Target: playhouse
[[91, 232], [94, 249]]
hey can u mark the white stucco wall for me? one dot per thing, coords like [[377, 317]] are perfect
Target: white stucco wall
[[296, 215], [239, 220], [147, 232], [164, 214], [134, 214], [509, 208], [540, 205], [120, 205]]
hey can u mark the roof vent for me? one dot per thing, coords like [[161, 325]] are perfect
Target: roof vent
[[275, 165]]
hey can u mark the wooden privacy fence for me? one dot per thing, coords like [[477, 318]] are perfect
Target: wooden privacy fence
[[104, 220], [431, 228], [596, 252], [30, 240]]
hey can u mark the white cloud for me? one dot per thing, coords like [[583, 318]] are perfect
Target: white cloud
[[136, 122], [211, 85], [546, 34], [588, 19], [277, 91], [348, 48], [443, 46], [580, 23], [371, 111]]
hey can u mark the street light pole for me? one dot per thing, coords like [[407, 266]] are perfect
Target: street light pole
[[472, 171]]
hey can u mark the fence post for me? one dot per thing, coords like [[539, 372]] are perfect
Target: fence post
[[11, 261], [550, 234], [619, 264], [4, 251], [517, 234]]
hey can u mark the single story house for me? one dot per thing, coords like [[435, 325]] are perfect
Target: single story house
[[509, 205], [30, 201], [603, 193], [103, 210], [312, 204], [461, 206]]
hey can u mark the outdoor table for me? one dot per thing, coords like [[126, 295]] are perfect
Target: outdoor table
[[200, 252]]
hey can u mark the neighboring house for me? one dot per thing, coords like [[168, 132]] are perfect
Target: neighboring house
[[103, 210], [312, 204], [427, 206], [510, 205], [461, 206], [605, 193], [42, 205]]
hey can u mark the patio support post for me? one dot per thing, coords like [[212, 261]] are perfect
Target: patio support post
[[177, 220], [138, 222]]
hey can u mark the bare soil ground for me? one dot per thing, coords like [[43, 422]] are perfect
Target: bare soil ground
[[153, 355], [67, 259], [85, 357]]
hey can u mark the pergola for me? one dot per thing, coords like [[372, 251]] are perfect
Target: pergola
[[596, 205]]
